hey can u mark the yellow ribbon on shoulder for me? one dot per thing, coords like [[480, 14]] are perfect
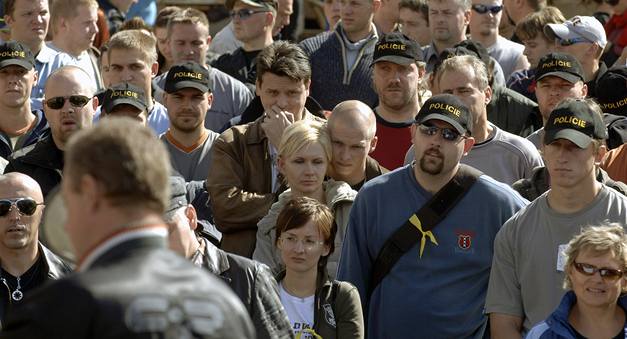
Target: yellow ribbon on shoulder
[[309, 331], [428, 234]]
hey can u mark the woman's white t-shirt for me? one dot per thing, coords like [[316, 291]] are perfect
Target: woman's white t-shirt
[[300, 311]]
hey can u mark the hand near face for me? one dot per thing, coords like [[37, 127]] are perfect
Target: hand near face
[[274, 123]]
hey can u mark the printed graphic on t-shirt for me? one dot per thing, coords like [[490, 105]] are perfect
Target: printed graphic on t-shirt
[[300, 330]]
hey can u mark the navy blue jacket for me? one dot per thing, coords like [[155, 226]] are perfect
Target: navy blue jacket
[[40, 131]]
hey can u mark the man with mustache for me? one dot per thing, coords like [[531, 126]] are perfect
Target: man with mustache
[[69, 106], [396, 75], [447, 273], [188, 97], [25, 263]]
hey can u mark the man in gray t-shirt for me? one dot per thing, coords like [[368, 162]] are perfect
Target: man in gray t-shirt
[[527, 270]]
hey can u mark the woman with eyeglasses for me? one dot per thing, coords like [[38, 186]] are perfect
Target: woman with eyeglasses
[[317, 306], [595, 263], [303, 159]]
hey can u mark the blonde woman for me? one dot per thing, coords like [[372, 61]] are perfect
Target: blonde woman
[[304, 156], [595, 304]]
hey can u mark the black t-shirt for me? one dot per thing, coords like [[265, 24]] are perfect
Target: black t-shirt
[[30, 280]]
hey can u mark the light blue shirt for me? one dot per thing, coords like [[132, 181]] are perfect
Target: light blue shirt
[[46, 61]]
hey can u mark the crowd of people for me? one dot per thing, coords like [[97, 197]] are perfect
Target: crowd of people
[[419, 169]]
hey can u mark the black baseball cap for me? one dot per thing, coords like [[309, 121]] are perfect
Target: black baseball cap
[[16, 53], [178, 196], [271, 5], [561, 65], [448, 108], [396, 47], [187, 75], [124, 94], [613, 97], [574, 120]]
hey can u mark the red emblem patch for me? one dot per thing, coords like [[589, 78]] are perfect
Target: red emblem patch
[[464, 241]]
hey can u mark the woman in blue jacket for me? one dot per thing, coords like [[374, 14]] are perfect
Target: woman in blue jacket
[[595, 304]]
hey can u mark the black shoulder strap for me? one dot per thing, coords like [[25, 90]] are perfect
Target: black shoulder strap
[[417, 227]]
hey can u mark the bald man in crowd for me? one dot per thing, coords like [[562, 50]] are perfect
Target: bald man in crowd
[[69, 106], [25, 263], [352, 126]]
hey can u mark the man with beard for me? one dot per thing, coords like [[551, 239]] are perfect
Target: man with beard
[[395, 77], [187, 98], [456, 250], [69, 106], [26, 263]]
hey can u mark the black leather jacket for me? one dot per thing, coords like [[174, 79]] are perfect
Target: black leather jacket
[[54, 267], [42, 161], [254, 285]]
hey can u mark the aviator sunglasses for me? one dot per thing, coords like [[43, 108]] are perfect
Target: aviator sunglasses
[[448, 134], [77, 101], [483, 9], [244, 14], [605, 273], [26, 206]]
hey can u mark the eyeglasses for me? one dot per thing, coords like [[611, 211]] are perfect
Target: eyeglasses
[[77, 101], [572, 41], [244, 14], [292, 242], [448, 134], [605, 273], [26, 206], [483, 9]]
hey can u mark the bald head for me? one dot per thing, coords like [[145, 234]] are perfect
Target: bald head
[[13, 185], [352, 127], [357, 114], [72, 74]]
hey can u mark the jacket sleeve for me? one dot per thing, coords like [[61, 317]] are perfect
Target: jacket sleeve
[[348, 313], [268, 314], [265, 251], [234, 208]]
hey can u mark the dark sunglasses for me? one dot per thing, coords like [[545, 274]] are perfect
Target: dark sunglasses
[[244, 14], [568, 42], [448, 134], [483, 9], [26, 206], [77, 101], [606, 273]]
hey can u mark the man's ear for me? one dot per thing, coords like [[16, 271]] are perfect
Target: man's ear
[[373, 144], [192, 217], [95, 103], [91, 192], [488, 94], [468, 143], [467, 15], [376, 4], [600, 155], [154, 69]]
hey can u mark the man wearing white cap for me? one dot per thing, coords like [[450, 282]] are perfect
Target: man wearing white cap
[[584, 38]]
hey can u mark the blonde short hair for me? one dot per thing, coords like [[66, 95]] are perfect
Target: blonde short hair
[[304, 133], [135, 40], [67, 9], [462, 63], [604, 238]]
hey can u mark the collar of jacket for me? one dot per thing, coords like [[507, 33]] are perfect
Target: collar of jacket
[[54, 265], [44, 153], [256, 135], [40, 131], [558, 320], [124, 250], [216, 260], [374, 34]]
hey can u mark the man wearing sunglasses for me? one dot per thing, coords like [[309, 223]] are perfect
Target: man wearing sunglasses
[[484, 27], [25, 263], [528, 268], [442, 279], [253, 21], [21, 126], [69, 106], [584, 38]]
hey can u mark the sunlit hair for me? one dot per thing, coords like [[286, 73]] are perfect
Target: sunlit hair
[[532, 25], [189, 16], [164, 15], [284, 59], [463, 63], [135, 40], [604, 238], [302, 134], [299, 211], [67, 9], [464, 4]]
